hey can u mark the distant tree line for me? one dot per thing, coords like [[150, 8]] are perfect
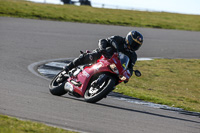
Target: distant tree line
[[82, 2]]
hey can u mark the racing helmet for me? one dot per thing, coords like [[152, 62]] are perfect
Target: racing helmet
[[134, 40]]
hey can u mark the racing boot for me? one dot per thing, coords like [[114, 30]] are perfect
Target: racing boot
[[68, 67], [63, 76]]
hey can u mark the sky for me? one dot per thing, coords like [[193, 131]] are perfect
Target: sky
[[174, 6]]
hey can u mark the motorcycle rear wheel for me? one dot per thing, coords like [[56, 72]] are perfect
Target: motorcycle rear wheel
[[57, 88], [106, 88]]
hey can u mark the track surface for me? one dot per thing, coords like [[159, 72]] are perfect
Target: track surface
[[24, 95]]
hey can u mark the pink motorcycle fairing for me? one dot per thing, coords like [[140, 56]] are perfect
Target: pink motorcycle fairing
[[101, 66]]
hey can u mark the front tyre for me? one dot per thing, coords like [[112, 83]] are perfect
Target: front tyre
[[57, 88], [94, 94]]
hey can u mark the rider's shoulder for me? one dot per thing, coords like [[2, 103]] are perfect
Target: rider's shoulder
[[116, 37]]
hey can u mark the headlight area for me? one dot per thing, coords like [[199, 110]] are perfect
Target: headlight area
[[121, 77], [113, 67]]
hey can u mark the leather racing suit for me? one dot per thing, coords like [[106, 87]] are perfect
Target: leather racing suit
[[109, 45]]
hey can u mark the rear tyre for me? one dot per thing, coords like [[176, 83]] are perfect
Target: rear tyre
[[93, 95], [57, 88]]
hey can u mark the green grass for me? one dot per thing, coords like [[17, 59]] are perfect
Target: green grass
[[85, 14], [13, 125], [173, 82]]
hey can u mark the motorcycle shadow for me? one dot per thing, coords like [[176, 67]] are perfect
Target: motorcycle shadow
[[148, 113], [118, 95]]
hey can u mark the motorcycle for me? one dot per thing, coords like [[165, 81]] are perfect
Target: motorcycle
[[94, 82]]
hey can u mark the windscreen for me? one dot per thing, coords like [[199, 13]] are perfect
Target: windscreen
[[124, 59]]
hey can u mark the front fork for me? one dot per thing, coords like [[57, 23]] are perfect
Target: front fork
[[99, 81]]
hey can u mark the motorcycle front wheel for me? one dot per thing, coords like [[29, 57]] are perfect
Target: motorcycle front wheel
[[57, 88], [94, 94]]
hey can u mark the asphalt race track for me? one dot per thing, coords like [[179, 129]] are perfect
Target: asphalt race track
[[25, 95]]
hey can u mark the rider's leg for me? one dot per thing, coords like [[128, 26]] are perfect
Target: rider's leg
[[85, 58]]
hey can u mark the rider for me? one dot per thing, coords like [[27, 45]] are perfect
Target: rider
[[127, 45]]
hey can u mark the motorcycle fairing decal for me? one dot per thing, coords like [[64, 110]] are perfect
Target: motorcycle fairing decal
[[124, 65], [86, 74]]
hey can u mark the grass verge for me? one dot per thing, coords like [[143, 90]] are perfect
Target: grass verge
[[85, 14], [13, 125], [173, 82]]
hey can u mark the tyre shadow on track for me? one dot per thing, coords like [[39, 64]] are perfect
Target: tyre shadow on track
[[148, 113], [131, 110]]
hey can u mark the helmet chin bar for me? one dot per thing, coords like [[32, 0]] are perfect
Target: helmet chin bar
[[129, 47]]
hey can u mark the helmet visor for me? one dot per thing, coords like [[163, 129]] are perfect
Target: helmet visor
[[136, 46]]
